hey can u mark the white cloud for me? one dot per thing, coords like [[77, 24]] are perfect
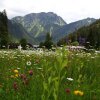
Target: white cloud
[[69, 10]]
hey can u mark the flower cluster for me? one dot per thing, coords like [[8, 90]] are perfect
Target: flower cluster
[[76, 92], [16, 73]]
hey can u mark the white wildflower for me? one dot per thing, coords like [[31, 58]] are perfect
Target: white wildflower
[[92, 57], [18, 68], [70, 79], [28, 63], [39, 68]]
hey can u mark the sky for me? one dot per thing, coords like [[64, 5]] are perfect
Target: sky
[[69, 10]]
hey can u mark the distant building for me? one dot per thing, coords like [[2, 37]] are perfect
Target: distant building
[[76, 48], [35, 46]]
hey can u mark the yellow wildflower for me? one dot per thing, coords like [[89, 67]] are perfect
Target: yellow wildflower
[[81, 93], [15, 71], [77, 92], [16, 75]]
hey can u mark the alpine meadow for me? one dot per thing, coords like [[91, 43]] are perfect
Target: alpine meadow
[[49, 50]]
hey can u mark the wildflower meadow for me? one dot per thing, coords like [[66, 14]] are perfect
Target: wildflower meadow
[[49, 75]]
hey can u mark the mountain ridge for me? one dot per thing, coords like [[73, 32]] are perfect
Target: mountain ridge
[[89, 36], [38, 24]]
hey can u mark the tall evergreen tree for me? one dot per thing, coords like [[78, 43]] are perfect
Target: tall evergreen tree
[[4, 36]]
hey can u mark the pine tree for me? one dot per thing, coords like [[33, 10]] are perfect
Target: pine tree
[[4, 36]]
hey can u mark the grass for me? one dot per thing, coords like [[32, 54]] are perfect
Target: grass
[[34, 75]]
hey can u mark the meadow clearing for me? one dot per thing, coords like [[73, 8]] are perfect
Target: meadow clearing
[[49, 75]]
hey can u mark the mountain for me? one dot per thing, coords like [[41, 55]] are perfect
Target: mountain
[[40, 23], [69, 28], [17, 32], [34, 26]]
